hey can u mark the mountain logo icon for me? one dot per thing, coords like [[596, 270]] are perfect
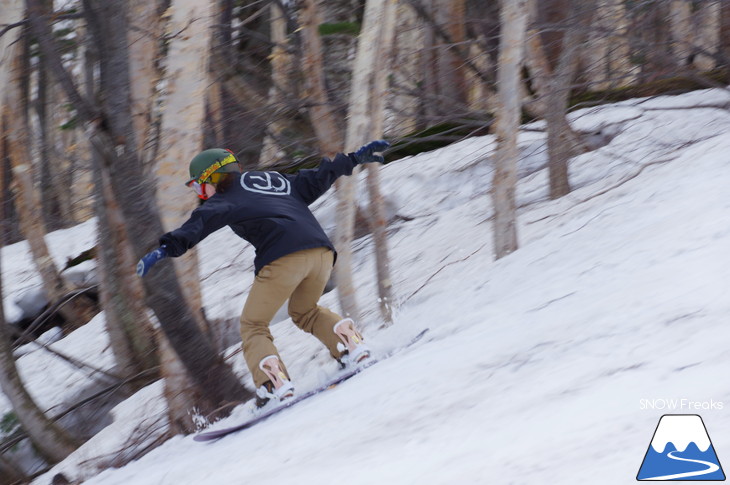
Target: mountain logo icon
[[681, 450]]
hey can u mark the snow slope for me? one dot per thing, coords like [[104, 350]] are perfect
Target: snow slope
[[538, 367]]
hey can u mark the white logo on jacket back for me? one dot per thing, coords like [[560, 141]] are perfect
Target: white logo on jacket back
[[271, 183]]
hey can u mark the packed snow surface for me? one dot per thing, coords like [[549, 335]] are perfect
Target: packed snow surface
[[551, 365]]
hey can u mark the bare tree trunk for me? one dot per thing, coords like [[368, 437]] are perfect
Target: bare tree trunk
[[444, 75], [480, 96], [326, 124], [559, 140], [429, 94], [653, 37], [281, 84], [181, 138], [144, 38], [607, 54], [7, 210], [365, 123], [50, 200], [132, 336], [13, 11], [680, 20], [56, 212], [344, 235], [450, 15], [406, 73], [331, 139], [708, 34], [27, 201], [378, 224], [131, 333], [724, 45], [63, 172], [553, 85], [695, 30], [113, 137], [511, 49], [51, 441], [218, 105]]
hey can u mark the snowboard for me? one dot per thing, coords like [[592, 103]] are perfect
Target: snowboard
[[338, 379]]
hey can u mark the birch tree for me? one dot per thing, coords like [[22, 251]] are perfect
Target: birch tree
[[144, 49], [324, 120], [181, 133], [12, 11], [607, 53], [217, 104], [708, 38], [281, 84], [449, 67], [52, 442], [181, 138], [53, 215], [511, 50], [330, 138], [480, 95], [652, 40], [133, 339], [406, 72], [443, 83], [27, 199], [365, 123], [553, 84], [695, 30], [112, 135]]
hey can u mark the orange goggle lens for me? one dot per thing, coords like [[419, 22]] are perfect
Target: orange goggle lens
[[198, 187], [215, 178]]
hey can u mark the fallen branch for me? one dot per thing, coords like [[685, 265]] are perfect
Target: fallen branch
[[441, 269]]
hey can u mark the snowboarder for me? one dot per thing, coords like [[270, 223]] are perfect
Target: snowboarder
[[294, 256]]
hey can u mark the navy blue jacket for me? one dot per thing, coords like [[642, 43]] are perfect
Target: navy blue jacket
[[267, 209]]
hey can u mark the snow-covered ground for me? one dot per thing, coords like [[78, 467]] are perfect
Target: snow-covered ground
[[552, 365]]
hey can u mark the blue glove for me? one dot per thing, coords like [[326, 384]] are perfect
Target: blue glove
[[367, 152], [150, 259]]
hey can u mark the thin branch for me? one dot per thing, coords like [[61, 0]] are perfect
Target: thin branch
[[423, 13], [41, 29], [443, 268], [56, 17], [20, 434], [50, 311]]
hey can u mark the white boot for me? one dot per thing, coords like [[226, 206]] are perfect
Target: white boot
[[279, 387], [354, 348]]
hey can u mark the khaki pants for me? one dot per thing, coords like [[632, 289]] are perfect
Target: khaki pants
[[300, 277]]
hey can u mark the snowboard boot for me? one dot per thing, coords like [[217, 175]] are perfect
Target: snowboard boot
[[354, 350], [278, 387]]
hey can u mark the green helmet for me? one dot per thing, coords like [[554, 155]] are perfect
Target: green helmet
[[211, 161]]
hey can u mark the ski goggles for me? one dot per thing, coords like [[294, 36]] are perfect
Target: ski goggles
[[198, 188]]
